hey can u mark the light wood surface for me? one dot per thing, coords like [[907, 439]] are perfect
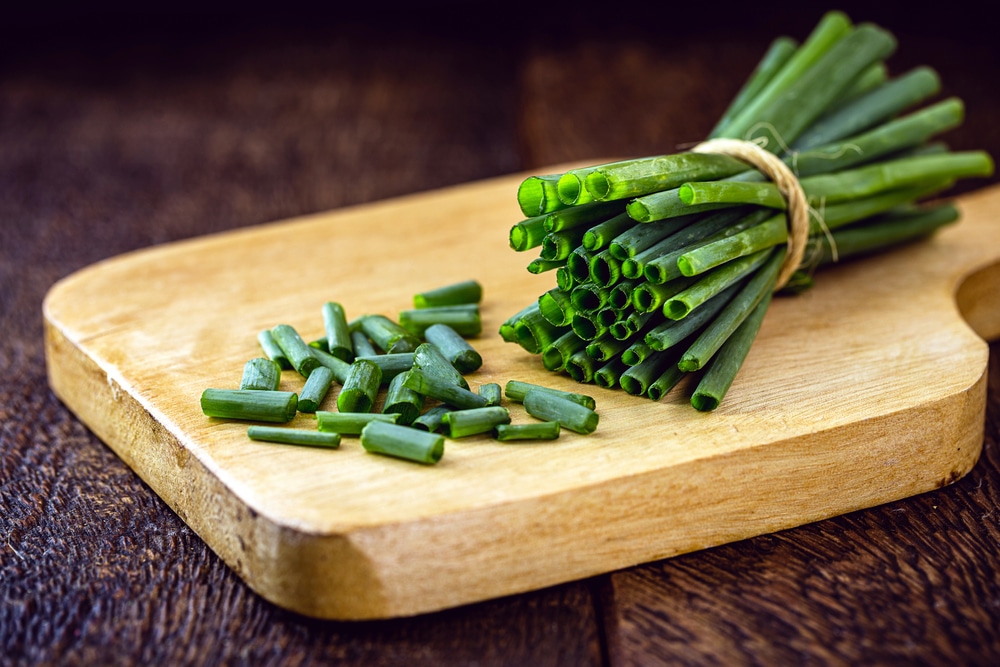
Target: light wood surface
[[866, 389]]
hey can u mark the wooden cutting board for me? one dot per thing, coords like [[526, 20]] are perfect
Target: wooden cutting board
[[867, 389]]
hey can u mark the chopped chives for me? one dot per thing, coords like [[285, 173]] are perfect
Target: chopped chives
[[250, 405], [463, 423], [296, 350], [548, 406], [516, 390], [351, 423], [391, 364], [361, 345], [261, 373], [360, 387], [431, 360], [463, 318], [339, 367], [338, 335], [492, 392], [387, 335], [454, 347], [402, 400], [521, 432], [466, 291], [431, 419], [272, 350], [317, 385], [294, 436], [444, 391], [402, 442]]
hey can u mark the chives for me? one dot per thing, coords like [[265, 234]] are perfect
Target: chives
[[338, 336], [463, 318], [339, 367], [351, 423], [466, 291], [431, 361], [315, 389], [262, 374], [391, 364], [549, 406], [272, 350], [360, 387], [454, 347], [299, 354], [463, 423], [402, 442], [388, 335], [250, 405], [444, 391], [294, 436], [534, 431], [401, 400], [492, 392], [361, 345], [516, 390], [431, 419]]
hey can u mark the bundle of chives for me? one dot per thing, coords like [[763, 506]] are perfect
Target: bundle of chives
[[665, 265]]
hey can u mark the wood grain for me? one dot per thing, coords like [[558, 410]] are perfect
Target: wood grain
[[132, 366]]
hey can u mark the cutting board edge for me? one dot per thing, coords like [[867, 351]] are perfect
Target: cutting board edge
[[291, 568]]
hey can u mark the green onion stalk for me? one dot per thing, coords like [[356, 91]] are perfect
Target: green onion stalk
[[664, 266]]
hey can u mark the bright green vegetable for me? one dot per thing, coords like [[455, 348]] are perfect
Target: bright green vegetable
[[454, 347], [522, 432], [360, 387], [351, 423], [463, 423], [250, 405], [315, 389], [402, 442], [261, 373], [466, 291], [338, 335], [549, 406], [294, 436], [298, 353]]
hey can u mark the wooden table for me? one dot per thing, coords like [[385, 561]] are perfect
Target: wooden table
[[119, 134]]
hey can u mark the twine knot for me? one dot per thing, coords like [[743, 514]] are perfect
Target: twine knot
[[788, 185]]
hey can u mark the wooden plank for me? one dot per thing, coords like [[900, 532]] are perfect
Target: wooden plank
[[867, 389]]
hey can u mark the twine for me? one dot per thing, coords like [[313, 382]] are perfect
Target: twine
[[788, 185]]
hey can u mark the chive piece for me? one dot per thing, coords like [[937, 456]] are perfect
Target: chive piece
[[547, 406], [727, 361], [527, 234], [463, 423], [534, 332], [261, 373], [272, 350], [294, 436], [338, 336], [713, 283], [431, 361], [252, 405], [636, 353], [521, 432], [299, 354], [556, 307], [581, 367], [444, 391], [340, 368], [431, 420], [537, 195], [599, 236], [402, 442], [351, 423], [637, 379], [508, 329], [466, 291], [392, 364], [362, 345], [360, 387], [539, 265], [402, 400], [662, 385], [516, 390], [463, 318], [492, 392], [389, 336], [454, 347], [671, 332], [315, 389], [608, 375], [556, 355], [559, 245]]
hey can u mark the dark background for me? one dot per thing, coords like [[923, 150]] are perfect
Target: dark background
[[122, 128]]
